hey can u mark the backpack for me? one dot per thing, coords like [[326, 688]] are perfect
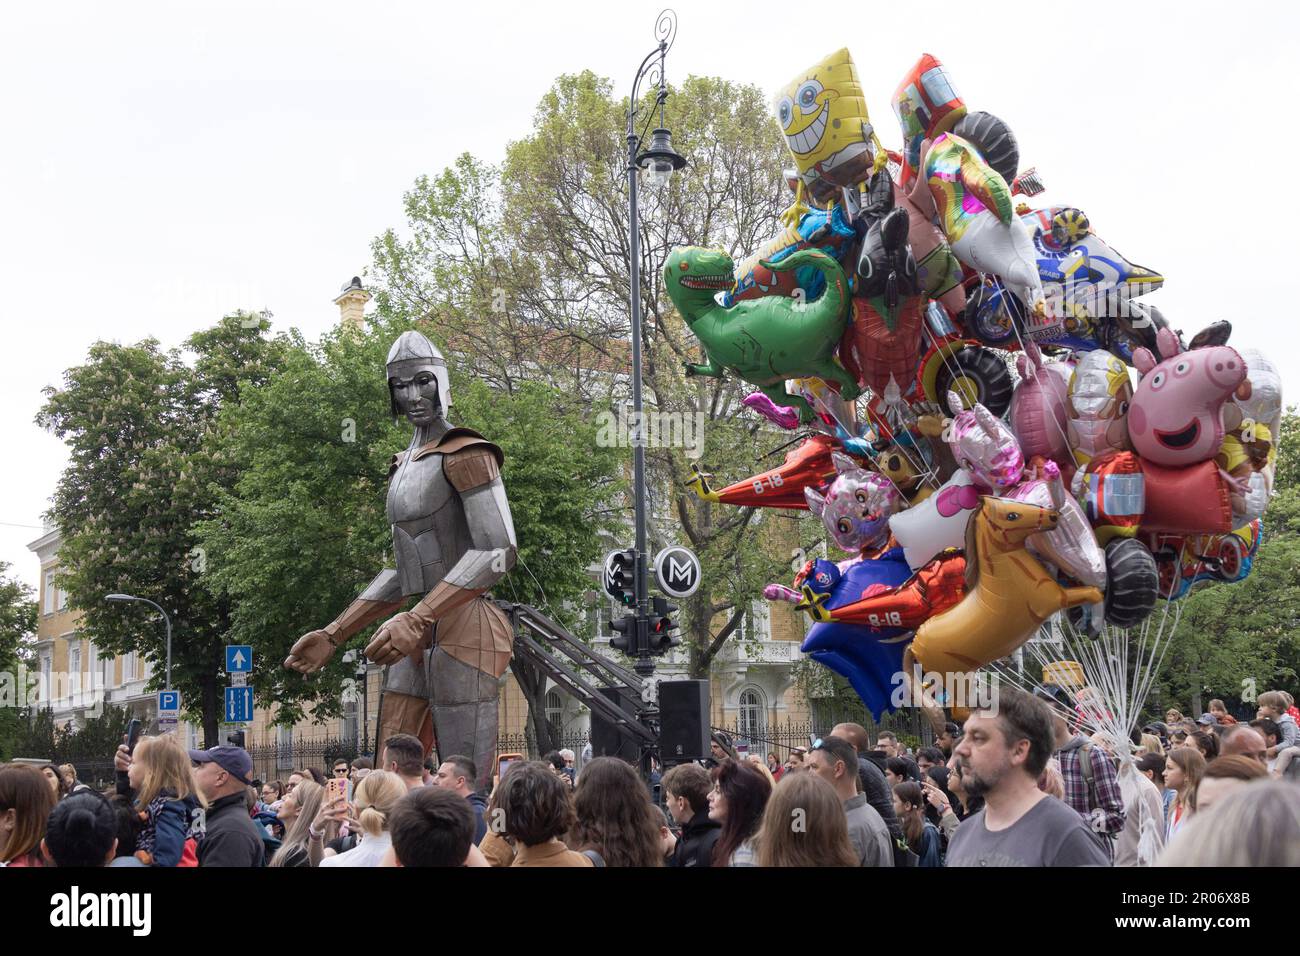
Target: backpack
[[595, 858]]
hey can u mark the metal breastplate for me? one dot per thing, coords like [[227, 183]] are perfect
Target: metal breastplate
[[429, 530]]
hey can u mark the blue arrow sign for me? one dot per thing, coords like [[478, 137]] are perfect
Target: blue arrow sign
[[169, 700], [239, 705], [239, 658]]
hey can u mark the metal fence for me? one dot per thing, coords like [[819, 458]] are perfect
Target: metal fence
[[910, 727], [276, 761]]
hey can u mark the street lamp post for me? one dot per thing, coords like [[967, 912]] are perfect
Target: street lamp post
[[659, 161], [363, 677], [131, 597]]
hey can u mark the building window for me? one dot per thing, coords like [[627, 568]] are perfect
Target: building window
[[62, 599], [94, 679], [128, 667], [752, 719], [284, 749], [555, 713], [48, 598], [74, 668], [47, 665]]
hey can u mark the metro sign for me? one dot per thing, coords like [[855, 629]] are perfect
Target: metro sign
[[678, 572]]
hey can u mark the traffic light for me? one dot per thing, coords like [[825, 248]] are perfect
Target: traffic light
[[620, 576], [624, 634], [236, 739], [662, 626]]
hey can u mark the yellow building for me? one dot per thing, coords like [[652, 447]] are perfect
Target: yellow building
[[74, 678]]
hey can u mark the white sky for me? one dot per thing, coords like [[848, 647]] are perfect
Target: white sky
[[165, 163]]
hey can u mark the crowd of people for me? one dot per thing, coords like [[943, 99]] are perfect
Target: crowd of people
[[1020, 784]]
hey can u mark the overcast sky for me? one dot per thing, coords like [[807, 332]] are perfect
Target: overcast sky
[[166, 163]]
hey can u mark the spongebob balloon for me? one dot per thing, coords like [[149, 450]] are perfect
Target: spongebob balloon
[[824, 118]]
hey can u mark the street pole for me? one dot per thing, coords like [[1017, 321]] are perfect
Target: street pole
[[644, 664], [167, 685], [662, 159]]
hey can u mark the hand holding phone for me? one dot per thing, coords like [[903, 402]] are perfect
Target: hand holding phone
[[338, 788], [132, 734]]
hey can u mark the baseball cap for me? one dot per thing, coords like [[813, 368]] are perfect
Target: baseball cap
[[1206, 720], [234, 760]]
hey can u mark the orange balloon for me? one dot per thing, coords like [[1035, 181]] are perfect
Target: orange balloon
[[1009, 594]]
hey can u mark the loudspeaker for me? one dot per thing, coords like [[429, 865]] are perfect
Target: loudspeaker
[[683, 720], [608, 739]]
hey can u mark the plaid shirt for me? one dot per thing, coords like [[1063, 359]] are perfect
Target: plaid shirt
[[1107, 818]]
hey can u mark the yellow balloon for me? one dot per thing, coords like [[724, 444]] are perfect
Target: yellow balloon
[[824, 118]]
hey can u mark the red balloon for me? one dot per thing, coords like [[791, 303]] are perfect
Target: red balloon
[[933, 589]]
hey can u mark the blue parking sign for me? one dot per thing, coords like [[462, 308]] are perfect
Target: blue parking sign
[[169, 700], [239, 705]]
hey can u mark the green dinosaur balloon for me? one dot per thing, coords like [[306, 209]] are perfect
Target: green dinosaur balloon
[[764, 341]]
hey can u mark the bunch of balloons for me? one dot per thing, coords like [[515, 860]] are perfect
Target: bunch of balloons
[[1116, 466]]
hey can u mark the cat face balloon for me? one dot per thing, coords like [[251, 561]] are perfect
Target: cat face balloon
[[856, 507]]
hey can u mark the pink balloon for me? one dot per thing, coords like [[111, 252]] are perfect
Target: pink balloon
[[1038, 413]]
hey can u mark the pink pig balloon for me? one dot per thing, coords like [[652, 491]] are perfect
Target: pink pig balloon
[[1039, 413], [1176, 417]]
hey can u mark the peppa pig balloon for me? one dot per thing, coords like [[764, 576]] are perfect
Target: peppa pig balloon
[[856, 507], [1176, 417]]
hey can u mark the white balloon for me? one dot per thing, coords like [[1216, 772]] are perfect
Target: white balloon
[[938, 522]]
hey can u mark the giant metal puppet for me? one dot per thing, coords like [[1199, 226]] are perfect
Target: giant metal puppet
[[453, 538]]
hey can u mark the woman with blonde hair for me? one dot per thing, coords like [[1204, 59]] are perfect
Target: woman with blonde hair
[[1184, 768], [1258, 825], [297, 811], [804, 825], [375, 798], [160, 784], [755, 761]]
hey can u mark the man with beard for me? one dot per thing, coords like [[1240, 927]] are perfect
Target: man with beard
[[1002, 754]]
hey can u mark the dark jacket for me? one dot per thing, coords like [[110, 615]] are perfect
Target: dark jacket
[[171, 821], [695, 848], [167, 823], [879, 796], [478, 803], [231, 838]]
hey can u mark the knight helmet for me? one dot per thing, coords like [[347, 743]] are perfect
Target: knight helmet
[[411, 350]]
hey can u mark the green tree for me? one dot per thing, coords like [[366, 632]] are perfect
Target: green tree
[[1235, 639], [144, 470], [526, 268], [17, 620], [17, 626], [303, 529]]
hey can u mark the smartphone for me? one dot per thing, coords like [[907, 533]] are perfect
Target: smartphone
[[504, 762], [336, 787], [132, 734]]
